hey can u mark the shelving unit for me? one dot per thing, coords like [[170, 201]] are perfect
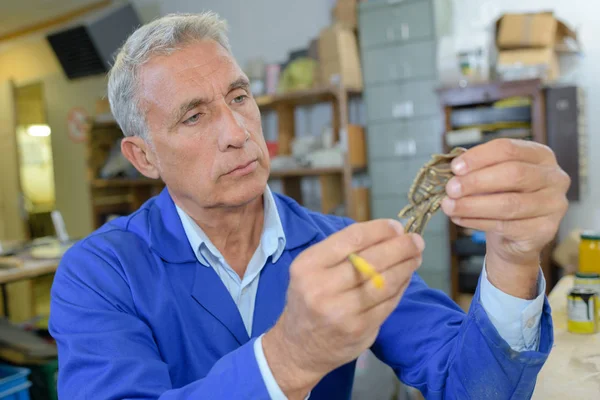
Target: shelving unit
[[112, 196], [335, 182], [480, 97]]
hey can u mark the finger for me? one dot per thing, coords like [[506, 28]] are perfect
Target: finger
[[367, 295], [381, 257], [506, 206], [543, 227], [512, 176], [500, 151], [353, 239], [377, 314]]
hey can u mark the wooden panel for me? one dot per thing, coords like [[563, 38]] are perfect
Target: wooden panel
[[331, 192], [292, 187], [20, 301], [487, 92], [12, 225], [305, 172], [361, 209], [285, 121], [562, 114], [301, 97], [357, 152]]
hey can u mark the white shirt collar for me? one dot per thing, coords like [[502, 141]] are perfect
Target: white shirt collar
[[272, 240]]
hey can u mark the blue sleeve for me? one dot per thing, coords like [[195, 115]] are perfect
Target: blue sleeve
[[107, 352], [434, 346]]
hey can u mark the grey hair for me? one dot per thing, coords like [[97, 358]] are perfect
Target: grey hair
[[159, 37]]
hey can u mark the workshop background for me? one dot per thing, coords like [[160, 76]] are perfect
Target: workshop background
[[355, 95]]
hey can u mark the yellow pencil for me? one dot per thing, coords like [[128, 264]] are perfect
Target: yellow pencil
[[367, 269]]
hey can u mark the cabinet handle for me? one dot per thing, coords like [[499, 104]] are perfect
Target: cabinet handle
[[403, 109], [404, 30], [405, 148], [391, 2]]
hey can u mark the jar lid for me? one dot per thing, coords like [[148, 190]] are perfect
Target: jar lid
[[590, 235], [587, 275]]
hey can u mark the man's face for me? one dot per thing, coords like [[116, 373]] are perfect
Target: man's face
[[205, 127]]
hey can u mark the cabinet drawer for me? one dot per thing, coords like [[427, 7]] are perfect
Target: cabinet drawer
[[405, 139], [403, 21], [439, 281], [407, 61], [436, 256], [394, 177], [402, 100]]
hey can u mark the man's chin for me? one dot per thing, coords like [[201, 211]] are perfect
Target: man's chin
[[244, 193]]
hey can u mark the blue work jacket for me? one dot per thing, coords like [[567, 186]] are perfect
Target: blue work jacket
[[135, 316]]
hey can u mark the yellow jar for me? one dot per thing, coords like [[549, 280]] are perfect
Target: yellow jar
[[589, 252]]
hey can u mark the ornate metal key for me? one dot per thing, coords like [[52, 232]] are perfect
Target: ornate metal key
[[428, 190]]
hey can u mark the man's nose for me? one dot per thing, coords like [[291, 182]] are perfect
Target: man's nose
[[233, 133]]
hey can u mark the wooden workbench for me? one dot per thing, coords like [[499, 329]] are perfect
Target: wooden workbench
[[573, 367], [31, 268], [28, 268]]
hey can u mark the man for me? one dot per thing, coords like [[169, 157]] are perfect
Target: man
[[219, 289]]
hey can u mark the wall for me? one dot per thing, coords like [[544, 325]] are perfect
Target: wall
[[30, 59], [580, 15], [27, 60], [268, 28], [70, 165]]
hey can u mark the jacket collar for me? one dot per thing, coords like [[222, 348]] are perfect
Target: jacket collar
[[297, 224], [168, 238]]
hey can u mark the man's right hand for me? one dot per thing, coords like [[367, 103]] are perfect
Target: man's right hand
[[333, 313]]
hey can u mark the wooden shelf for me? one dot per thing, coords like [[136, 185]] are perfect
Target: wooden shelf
[[475, 95], [299, 172], [306, 172], [303, 97], [106, 183]]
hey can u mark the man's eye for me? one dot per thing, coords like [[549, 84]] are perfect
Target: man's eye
[[193, 119], [240, 99]]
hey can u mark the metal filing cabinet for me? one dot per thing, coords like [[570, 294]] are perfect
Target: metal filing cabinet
[[399, 40]]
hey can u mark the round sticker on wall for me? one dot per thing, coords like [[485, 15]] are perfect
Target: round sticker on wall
[[77, 124]]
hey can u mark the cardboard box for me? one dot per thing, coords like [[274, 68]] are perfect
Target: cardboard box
[[517, 31], [334, 73], [527, 64], [339, 58], [345, 13]]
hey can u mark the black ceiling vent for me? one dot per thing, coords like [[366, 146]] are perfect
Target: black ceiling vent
[[89, 47]]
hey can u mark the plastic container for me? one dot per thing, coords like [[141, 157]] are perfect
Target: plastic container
[[43, 379], [13, 383], [589, 252]]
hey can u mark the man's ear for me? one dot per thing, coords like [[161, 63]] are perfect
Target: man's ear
[[139, 153]]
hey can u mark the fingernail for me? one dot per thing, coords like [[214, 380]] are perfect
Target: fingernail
[[448, 205], [397, 225], [459, 167], [418, 241], [453, 187]]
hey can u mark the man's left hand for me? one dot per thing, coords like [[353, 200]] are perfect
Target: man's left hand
[[515, 191]]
